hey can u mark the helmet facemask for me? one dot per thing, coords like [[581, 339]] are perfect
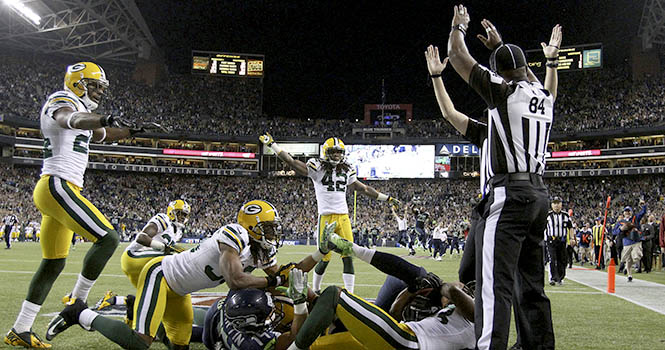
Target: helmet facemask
[[335, 155], [270, 233], [94, 91]]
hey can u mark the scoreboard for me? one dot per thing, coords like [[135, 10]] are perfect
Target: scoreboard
[[227, 64], [571, 58]]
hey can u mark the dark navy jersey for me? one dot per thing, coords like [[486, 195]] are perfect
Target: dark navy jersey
[[421, 219]]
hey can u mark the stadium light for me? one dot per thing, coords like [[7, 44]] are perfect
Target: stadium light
[[24, 10]]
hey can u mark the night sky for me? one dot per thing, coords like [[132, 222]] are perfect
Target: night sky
[[326, 59]]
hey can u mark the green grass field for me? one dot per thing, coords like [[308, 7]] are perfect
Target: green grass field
[[583, 317]]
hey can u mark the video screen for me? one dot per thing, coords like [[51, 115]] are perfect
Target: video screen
[[392, 161]]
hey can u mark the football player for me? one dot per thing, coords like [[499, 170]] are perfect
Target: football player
[[427, 314], [68, 124], [159, 237], [165, 283], [332, 176]]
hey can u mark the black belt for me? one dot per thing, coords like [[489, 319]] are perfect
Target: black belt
[[504, 179]]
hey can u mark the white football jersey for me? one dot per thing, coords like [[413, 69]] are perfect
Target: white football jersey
[[456, 334], [167, 233], [330, 187], [198, 268], [65, 150]]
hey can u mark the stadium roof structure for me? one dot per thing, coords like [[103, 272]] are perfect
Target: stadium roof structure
[[103, 30], [652, 24]]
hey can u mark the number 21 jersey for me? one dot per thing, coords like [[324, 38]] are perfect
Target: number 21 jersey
[[65, 150], [330, 186]]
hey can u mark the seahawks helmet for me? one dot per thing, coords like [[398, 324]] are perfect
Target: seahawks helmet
[[83, 76], [250, 311]]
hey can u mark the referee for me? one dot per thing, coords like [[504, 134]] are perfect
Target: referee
[[558, 229], [510, 233], [9, 221]]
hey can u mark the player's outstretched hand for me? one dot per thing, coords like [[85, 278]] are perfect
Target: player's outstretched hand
[[285, 270], [394, 202], [434, 64], [493, 38], [461, 16], [112, 121], [266, 139], [551, 50], [174, 248], [297, 290]]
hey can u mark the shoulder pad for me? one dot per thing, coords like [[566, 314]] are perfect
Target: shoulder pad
[[234, 236], [314, 163], [161, 220]]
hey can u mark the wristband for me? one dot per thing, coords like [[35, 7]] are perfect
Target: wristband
[[460, 27], [382, 197], [435, 75], [103, 137], [300, 309], [275, 148], [552, 58], [157, 245], [552, 65], [317, 255], [106, 121], [273, 281]]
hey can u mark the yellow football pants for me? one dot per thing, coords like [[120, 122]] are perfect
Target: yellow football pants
[[373, 327], [343, 228], [132, 263], [157, 303], [65, 211]]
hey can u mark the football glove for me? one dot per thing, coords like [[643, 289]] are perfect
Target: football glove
[[267, 139], [148, 127], [297, 290], [116, 122], [429, 280], [285, 269], [172, 248], [394, 202]]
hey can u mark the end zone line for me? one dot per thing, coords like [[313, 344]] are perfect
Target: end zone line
[[621, 297]]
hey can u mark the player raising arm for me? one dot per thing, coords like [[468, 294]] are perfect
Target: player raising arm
[[68, 123], [331, 177]]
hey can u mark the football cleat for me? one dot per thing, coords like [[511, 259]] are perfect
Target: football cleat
[[340, 244], [324, 247], [26, 339], [129, 319], [106, 301], [68, 317]]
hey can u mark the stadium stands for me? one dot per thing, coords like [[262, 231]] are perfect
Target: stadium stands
[[137, 197], [596, 100]]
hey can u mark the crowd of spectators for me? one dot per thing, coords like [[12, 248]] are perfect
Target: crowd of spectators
[[189, 104], [134, 198]]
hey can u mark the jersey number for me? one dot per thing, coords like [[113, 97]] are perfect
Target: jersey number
[[48, 152], [534, 106], [81, 144], [339, 185], [211, 274]]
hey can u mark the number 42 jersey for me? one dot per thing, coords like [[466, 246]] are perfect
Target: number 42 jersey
[[65, 150], [330, 186]]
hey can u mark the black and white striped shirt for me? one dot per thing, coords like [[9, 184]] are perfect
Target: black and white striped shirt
[[10, 220], [558, 225], [520, 115]]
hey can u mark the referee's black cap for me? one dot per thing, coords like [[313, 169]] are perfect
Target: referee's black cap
[[507, 57], [556, 199]]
